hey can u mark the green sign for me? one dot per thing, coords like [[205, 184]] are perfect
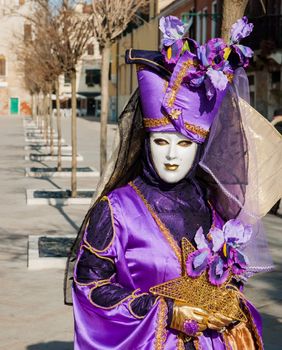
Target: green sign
[[14, 105]]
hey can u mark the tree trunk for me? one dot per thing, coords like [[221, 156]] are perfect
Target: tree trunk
[[73, 135], [59, 126], [104, 105], [32, 107], [45, 112], [51, 125], [232, 11]]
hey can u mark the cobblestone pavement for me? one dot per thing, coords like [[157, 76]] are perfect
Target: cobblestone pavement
[[32, 314]]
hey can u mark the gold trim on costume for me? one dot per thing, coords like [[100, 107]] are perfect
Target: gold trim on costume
[[196, 129], [101, 257], [135, 297], [160, 224], [153, 123], [161, 331], [112, 306], [180, 343], [90, 248], [197, 344], [178, 81], [105, 198]]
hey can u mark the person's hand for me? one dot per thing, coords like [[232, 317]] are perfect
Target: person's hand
[[219, 322], [189, 320]]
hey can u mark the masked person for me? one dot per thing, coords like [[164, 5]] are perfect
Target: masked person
[[183, 169]]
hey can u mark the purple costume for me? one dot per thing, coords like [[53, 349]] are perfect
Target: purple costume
[[131, 240]]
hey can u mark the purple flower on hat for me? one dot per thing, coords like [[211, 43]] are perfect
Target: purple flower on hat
[[240, 30], [172, 42], [173, 29]]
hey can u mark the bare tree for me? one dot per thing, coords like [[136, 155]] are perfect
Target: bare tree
[[74, 31], [61, 33], [110, 19]]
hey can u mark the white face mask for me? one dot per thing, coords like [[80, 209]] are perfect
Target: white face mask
[[172, 154]]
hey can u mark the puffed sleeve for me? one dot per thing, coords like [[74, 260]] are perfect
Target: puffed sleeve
[[107, 314]]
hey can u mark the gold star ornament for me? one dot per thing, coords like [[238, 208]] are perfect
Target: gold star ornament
[[199, 292]]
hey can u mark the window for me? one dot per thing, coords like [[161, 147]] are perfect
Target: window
[[275, 77], [214, 19], [27, 32], [198, 26], [251, 79], [93, 76], [2, 66], [67, 78], [204, 25], [90, 49]]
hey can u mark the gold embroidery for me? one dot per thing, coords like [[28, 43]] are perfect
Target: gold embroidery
[[175, 113], [196, 343], [161, 331], [196, 129], [161, 225], [165, 86], [178, 81], [180, 343], [153, 123]]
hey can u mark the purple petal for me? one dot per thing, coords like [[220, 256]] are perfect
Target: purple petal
[[210, 89], [176, 49], [243, 54], [200, 239], [240, 262], [218, 272], [197, 262], [240, 29], [233, 229], [247, 234], [173, 29], [215, 49], [218, 79], [217, 239]]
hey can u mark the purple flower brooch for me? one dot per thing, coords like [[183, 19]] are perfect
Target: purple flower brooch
[[213, 63], [220, 253]]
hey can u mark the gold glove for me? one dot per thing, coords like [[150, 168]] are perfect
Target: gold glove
[[219, 322], [189, 320]]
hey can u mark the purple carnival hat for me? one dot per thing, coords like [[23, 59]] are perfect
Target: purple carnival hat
[[182, 87]]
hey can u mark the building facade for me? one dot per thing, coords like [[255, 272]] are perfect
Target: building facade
[[88, 78], [14, 97]]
